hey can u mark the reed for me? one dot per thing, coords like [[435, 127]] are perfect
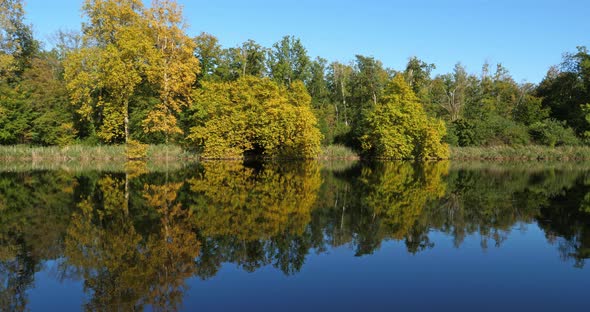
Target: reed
[[89, 153], [338, 151], [525, 152]]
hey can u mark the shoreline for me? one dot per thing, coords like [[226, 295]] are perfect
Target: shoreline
[[160, 153]]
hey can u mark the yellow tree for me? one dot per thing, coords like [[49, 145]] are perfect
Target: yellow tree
[[8, 47], [174, 68], [399, 128], [17, 44], [254, 115], [105, 73]]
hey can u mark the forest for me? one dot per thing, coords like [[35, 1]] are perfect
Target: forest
[[132, 75]]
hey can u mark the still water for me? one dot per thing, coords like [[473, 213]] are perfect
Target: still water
[[223, 236]]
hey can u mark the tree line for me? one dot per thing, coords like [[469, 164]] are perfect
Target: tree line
[[133, 75]]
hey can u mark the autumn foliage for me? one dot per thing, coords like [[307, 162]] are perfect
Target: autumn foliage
[[399, 128], [254, 115]]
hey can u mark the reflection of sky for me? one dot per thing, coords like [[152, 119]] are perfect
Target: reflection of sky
[[51, 294], [524, 273]]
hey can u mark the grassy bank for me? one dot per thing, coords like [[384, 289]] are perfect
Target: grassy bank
[[155, 153], [76, 166], [338, 152], [527, 152], [89, 153], [491, 153], [83, 153]]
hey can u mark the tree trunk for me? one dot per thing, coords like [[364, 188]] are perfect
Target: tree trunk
[[126, 120], [374, 99], [343, 101]]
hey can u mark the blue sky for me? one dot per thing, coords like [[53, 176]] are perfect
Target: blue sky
[[526, 36]]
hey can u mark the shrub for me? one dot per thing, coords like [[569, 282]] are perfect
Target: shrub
[[552, 132], [399, 128], [135, 150], [490, 130], [254, 116], [530, 111], [464, 132]]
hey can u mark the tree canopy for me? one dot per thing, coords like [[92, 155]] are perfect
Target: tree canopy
[[254, 115], [132, 74]]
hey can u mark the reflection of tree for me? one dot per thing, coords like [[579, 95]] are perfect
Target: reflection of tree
[[254, 216], [16, 276], [364, 205], [34, 210], [490, 203], [135, 237], [380, 201], [121, 267], [174, 250], [566, 221], [398, 193]]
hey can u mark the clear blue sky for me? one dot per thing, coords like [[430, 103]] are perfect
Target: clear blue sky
[[526, 36]]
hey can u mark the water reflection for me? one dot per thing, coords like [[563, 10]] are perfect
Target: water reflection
[[135, 237]]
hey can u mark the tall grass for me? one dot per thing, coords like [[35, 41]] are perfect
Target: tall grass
[[338, 151], [528, 166], [83, 153], [88, 153], [76, 166], [526, 152]]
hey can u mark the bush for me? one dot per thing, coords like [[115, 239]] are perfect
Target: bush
[[491, 130], [530, 111], [135, 150], [511, 133], [463, 133], [399, 128], [552, 132], [254, 116]]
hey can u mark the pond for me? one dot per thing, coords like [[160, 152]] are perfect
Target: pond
[[345, 236]]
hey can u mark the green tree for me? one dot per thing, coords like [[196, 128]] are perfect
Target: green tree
[[338, 79], [247, 59], [530, 110], [449, 92], [51, 115], [250, 58], [552, 133], [366, 88], [566, 87], [17, 45], [417, 74], [209, 53], [326, 112], [16, 116], [288, 61], [317, 85], [586, 111]]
